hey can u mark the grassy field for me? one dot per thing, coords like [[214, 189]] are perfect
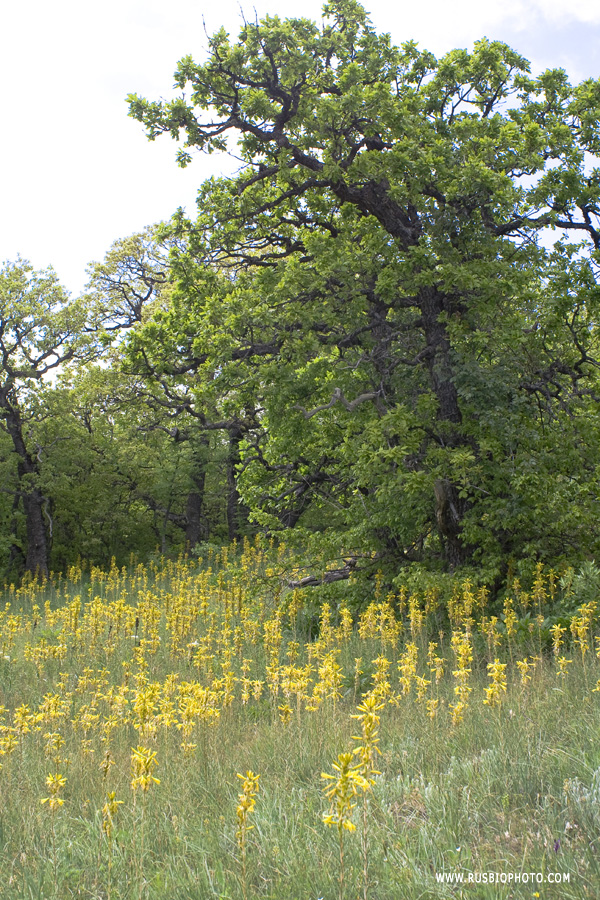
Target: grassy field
[[461, 742]]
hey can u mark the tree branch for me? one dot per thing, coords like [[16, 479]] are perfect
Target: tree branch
[[338, 396]]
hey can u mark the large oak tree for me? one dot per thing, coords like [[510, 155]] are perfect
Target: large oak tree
[[378, 289]]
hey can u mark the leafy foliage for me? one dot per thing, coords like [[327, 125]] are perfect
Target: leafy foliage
[[374, 295]]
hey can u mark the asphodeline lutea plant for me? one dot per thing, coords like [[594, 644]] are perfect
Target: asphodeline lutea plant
[[109, 812], [436, 669], [246, 804], [489, 628], [525, 667], [367, 751], [495, 690], [562, 666], [54, 742], [557, 631], [55, 784], [344, 787], [510, 623], [407, 667], [461, 644], [143, 763], [382, 688], [581, 627]]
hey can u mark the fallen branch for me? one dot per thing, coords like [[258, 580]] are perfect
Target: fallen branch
[[327, 578]]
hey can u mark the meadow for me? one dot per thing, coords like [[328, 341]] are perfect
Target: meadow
[[195, 729]]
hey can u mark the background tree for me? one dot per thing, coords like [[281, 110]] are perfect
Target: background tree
[[81, 477], [41, 330], [131, 286], [99, 469]]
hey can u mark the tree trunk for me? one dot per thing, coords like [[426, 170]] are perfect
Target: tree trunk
[[196, 528], [36, 558], [237, 513], [16, 557], [441, 373], [449, 507]]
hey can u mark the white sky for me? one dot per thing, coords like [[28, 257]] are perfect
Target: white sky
[[77, 173]]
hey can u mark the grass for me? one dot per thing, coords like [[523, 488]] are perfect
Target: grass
[[205, 665]]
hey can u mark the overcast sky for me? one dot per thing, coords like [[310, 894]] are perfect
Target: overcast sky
[[77, 173]]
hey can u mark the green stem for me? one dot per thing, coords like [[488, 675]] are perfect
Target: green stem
[[54, 867], [365, 849], [341, 834]]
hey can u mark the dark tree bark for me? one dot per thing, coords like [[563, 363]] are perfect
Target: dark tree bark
[[432, 305], [237, 513], [196, 528], [449, 507], [36, 557], [36, 560], [16, 557]]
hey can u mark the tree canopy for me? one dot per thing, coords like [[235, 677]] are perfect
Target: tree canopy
[[41, 330], [398, 289]]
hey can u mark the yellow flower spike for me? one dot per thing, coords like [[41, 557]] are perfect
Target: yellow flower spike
[[563, 665], [557, 631], [109, 811], [421, 685], [143, 761], [431, 653], [432, 705], [341, 793], [493, 693], [407, 666], [382, 687], [54, 742], [367, 749], [346, 624], [55, 783], [285, 713], [106, 763], [246, 804], [510, 618], [23, 719], [458, 712], [524, 667], [367, 624]]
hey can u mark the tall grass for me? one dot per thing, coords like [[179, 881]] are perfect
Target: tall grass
[[205, 668]]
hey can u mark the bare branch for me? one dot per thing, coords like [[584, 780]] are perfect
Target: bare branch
[[338, 396]]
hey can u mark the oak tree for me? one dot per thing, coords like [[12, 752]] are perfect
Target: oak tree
[[41, 331], [400, 285]]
